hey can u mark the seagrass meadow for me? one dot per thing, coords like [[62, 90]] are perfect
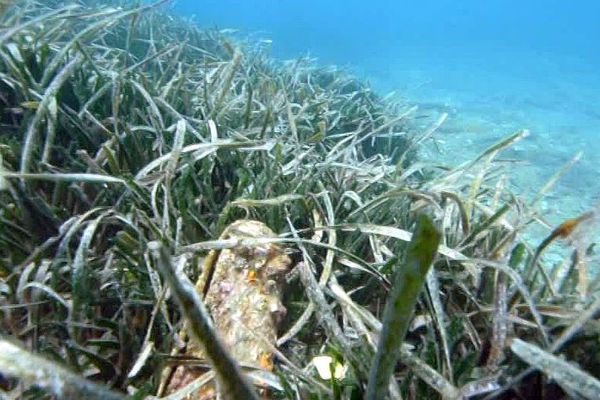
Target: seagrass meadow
[[134, 145]]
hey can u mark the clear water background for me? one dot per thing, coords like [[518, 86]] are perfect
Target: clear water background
[[496, 66]]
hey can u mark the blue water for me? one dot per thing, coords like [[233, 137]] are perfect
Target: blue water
[[496, 66]]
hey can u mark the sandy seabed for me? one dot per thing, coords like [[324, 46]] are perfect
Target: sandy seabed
[[489, 96]]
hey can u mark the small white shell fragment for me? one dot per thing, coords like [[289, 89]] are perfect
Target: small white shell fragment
[[322, 364]]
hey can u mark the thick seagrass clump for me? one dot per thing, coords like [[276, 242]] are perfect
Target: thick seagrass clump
[[140, 153]]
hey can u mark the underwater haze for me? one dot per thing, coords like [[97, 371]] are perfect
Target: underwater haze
[[494, 66]]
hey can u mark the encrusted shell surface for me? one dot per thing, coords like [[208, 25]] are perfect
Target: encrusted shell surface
[[241, 289]]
